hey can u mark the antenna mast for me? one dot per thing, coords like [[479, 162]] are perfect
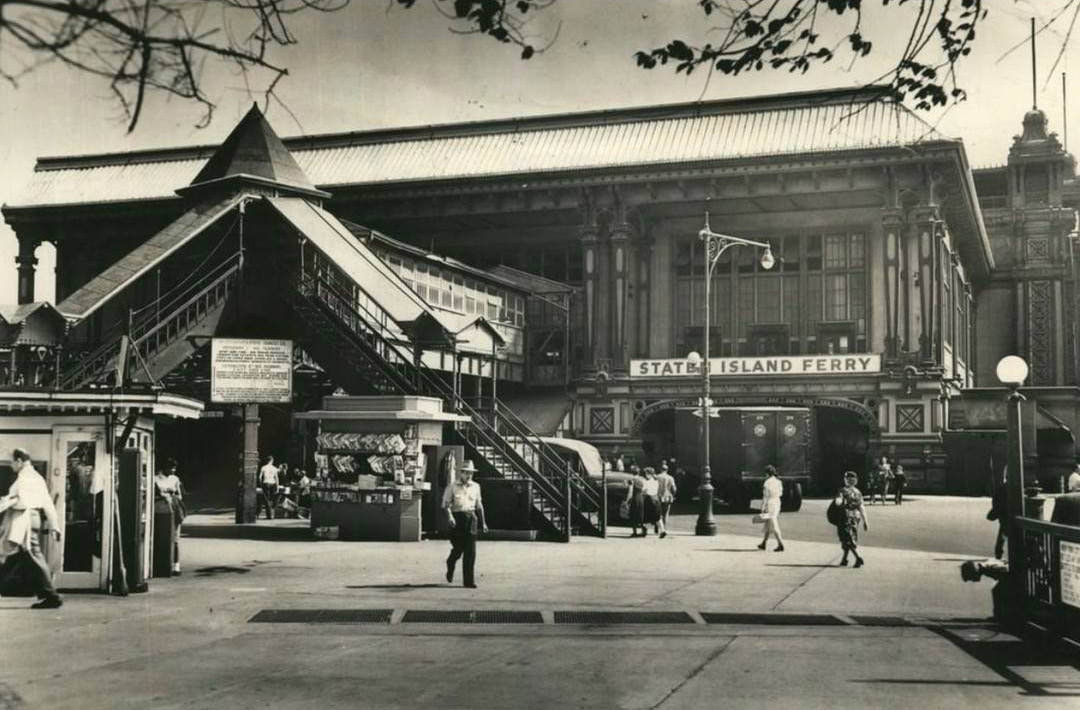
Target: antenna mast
[[1034, 103]]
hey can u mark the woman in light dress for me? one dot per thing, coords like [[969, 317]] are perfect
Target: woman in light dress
[[771, 492]]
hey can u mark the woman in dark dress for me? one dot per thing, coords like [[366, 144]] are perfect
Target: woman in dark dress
[[851, 500], [635, 496]]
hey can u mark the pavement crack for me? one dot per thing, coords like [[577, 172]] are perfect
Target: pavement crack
[[694, 673], [800, 586]]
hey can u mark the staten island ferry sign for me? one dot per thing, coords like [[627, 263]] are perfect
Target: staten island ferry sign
[[855, 364]]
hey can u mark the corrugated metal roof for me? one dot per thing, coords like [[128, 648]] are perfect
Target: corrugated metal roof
[[143, 257], [686, 133]]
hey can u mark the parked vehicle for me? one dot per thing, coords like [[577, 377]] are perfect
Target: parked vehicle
[[743, 440], [588, 461]]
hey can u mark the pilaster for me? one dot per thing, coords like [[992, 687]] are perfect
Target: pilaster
[[892, 220], [27, 266]]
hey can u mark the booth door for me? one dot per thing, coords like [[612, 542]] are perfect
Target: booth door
[[83, 507]]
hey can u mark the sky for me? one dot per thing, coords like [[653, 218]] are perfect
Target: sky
[[375, 65]]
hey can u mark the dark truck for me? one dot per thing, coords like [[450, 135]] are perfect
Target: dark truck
[[743, 441]]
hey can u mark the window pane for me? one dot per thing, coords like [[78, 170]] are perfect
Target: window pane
[[746, 305], [836, 297], [682, 304], [697, 307], [858, 252], [682, 257], [813, 252], [857, 311], [791, 257], [835, 251], [747, 259], [813, 302], [791, 302], [768, 303], [720, 314]]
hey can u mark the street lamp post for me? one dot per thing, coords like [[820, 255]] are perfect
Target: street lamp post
[[1012, 371], [715, 245]]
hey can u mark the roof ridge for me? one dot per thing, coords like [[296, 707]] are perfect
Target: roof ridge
[[632, 114]]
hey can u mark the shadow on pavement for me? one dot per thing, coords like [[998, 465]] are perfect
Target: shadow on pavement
[[289, 532], [395, 587], [1036, 667], [221, 569]]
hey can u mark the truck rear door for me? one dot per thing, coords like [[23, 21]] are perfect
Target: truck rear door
[[759, 441]]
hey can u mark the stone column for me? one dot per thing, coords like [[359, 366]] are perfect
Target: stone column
[[927, 253], [893, 223], [643, 296], [27, 264], [249, 467], [620, 281], [589, 244]]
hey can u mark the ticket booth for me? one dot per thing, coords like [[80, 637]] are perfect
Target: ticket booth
[[96, 452]]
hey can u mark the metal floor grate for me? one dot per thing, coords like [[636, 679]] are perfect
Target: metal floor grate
[[437, 616], [772, 619], [583, 617], [622, 617], [322, 616]]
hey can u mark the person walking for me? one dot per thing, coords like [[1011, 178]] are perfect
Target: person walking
[[465, 516], [269, 479], [635, 496], [26, 502], [899, 483], [884, 480], [650, 492], [851, 501], [171, 488], [668, 489], [771, 493]]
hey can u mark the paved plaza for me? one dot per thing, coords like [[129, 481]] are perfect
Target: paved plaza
[[263, 617]]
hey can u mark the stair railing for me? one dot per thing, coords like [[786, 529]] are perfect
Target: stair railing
[[148, 333], [187, 309], [547, 480]]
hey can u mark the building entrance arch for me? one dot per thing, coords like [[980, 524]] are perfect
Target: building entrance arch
[[861, 411], [843, 434]]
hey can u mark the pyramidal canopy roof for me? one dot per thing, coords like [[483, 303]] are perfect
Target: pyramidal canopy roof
[[253, 152]]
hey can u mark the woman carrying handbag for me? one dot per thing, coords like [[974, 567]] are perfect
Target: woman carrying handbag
[[771, 493]]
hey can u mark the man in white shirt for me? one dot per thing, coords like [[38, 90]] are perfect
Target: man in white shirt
[[29, 500], [465, 511], [1073, 486], [268, 482]]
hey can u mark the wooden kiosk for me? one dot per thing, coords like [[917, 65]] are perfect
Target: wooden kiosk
[[374, 460], [96, 452]]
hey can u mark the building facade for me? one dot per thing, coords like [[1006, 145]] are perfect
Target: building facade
[[895, 262]]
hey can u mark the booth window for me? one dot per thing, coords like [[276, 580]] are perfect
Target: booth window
[[837, 337], [769, 339]]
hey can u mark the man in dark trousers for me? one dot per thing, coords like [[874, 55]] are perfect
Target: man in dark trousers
[[465, 513]]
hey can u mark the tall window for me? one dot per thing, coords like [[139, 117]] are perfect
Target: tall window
[[812, 301]]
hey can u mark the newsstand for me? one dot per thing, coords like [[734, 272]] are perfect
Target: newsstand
[[374, 461]]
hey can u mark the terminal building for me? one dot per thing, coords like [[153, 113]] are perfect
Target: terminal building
[[554, 262]]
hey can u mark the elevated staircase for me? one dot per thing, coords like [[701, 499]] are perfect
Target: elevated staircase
[[354, 334], [161, 332], [349, 340]]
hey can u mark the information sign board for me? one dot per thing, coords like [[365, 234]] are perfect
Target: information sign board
[[246, 371]]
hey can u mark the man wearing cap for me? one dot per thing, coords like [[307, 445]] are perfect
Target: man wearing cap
[[27, 502], [465, 513]]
